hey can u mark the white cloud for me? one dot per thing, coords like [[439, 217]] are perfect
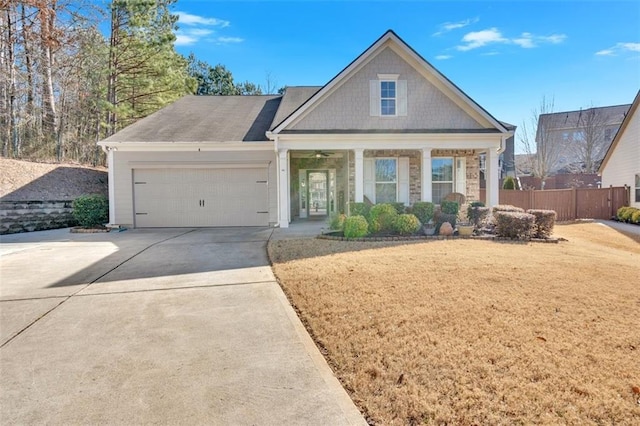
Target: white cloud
[[443, 57], [189, 19], [619, 48], [193, 28], [476, 39], [227, 40], [184, 40], [450, 26]]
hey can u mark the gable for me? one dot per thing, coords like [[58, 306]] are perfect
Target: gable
[[348, 107], [623, 154]]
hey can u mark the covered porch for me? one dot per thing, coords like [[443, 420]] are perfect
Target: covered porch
[[316, 183]]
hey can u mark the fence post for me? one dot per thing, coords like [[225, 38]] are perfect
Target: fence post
[[610, 200], [574, 200]]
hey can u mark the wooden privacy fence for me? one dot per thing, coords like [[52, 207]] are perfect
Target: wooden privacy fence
[[570, 204]]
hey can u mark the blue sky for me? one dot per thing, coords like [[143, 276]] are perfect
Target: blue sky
[[506, 55]]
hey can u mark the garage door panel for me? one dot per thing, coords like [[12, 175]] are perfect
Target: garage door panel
[[201, 197]]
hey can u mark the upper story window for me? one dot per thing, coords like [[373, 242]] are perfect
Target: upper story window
[[387, 98]]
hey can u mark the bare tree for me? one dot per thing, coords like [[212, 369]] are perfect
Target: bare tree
[[590, 146], [542, 149], [270, 83]]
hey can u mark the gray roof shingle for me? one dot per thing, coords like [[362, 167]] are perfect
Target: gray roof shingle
[[294, 97], [205, 119]]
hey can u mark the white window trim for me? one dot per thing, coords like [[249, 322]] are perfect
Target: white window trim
[[453, 173], [375, 180], [394, 98]]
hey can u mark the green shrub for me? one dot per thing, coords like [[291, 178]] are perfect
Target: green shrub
[[449, 207], [355, 227], [635, 217], [424, 211], [507, 208], [91, 210], [624, 213], [381, 218], [337, 221], [358, 209], [406, 224], [440, 217], [400, 208], [545, 220], [514, 224], [509, 183], [477, 214]]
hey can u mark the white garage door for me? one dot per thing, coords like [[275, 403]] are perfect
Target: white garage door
[[200, 197]]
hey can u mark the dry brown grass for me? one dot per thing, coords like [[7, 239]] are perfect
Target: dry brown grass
[[476, 332]]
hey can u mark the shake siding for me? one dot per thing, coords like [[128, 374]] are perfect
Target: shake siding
[[348, 106], [624, 162], [124, 183]]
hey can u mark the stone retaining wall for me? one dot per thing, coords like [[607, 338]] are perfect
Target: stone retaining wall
[[27, 216]]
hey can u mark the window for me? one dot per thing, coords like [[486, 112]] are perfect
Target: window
[[608, 134], [387, 98], [386, 170], [637, 188], [442, 178]]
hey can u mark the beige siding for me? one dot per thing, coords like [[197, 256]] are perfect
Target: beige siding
[[624, 162], [348, 106], [123, 183]]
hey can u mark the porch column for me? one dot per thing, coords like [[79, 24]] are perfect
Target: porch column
[[112, 183], [426, 175], [491, 175], [359, 175], [283, 188]]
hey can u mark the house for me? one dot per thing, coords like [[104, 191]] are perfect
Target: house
[[621, 164], [388, 128], [581, 137]]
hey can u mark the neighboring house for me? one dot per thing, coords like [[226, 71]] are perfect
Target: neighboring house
[[580, 136], [388, 128], [621, 165]]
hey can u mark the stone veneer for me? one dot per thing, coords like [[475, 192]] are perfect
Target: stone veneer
[[27, 216]]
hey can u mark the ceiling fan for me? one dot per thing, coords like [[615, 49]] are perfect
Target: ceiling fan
[[321, 154]]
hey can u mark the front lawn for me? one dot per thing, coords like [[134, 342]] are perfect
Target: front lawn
[[476, 332]]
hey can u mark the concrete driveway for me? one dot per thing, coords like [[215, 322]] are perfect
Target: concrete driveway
[[162, 326]]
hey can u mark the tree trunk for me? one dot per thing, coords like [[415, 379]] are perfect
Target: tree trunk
[[47, 22], [112, 116]]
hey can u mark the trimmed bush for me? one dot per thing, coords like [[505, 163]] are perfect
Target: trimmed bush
[[509, 183], [91, 210], [440, 218], [400, 208], [355, 227], [381, 218], [477, 215], [545, 220], [424, 211], [624, 214], [337, 221], [507, 208], [358, 209], [514, 225], [635, 217], [449, 207], [406, 224]]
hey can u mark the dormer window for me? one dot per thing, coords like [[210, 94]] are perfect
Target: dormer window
[[388, 96]]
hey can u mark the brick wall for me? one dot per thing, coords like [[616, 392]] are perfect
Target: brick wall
[[27, 216]]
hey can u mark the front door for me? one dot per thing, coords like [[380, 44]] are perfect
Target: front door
[[317, 192]]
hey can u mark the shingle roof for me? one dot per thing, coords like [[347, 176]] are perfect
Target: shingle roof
[[294, 96], [608, 115], [205, 119]]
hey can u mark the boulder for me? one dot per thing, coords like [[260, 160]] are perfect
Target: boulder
[[446, 229]]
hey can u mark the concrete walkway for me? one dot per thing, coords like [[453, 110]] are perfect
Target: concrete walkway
[[170, 326], [621, 226]]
